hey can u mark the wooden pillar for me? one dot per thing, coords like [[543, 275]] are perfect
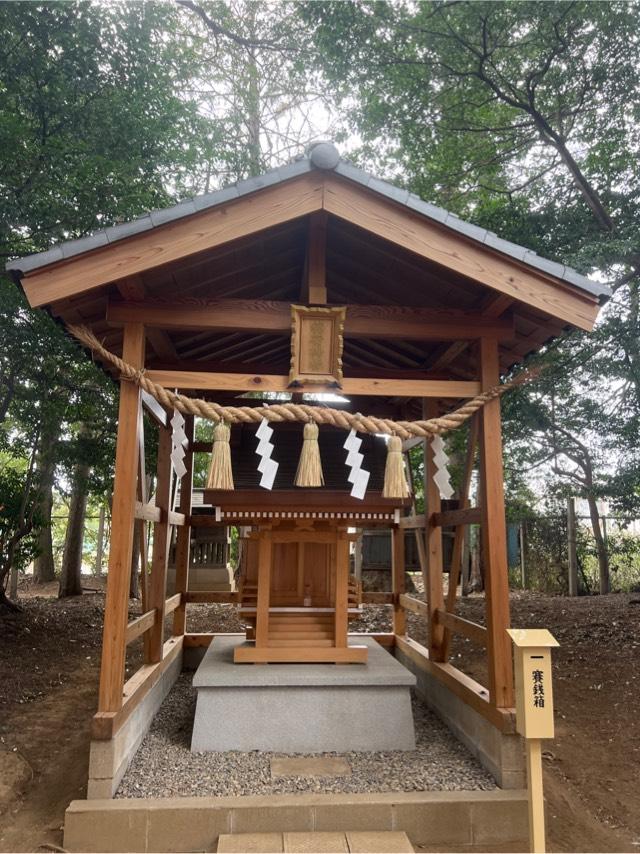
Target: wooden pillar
[[264, 588], [494, 534], [461, 534], [161, 537], [434, 592], [116, 609], [183, 537], [397, 579], [315, 287], [341, 602]]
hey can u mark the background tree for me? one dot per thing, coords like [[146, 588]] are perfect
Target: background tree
[[522, 117]]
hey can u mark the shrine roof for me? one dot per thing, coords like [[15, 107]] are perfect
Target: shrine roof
[[323, 156]]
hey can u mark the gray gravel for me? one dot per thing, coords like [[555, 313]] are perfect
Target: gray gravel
[[165, 767]]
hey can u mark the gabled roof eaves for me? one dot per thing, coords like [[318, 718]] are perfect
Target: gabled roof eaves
[[400, 196]]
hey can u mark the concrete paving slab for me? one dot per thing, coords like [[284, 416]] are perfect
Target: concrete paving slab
[[370, 842], [310, 766]]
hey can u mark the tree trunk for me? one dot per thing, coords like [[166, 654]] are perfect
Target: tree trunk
[[100, 542], [601, 547], [71, 575], [44, 569], [43, 566]]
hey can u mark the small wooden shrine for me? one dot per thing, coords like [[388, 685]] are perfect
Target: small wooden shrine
[[315, 278], [297, 593]]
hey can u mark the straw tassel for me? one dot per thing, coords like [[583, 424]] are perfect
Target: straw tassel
[[395, 481], [310, 466], [220, 473]]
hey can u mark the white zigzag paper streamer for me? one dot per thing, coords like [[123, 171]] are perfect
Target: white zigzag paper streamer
[[440, 460], [358, 477], [179, 443], [267, 466]]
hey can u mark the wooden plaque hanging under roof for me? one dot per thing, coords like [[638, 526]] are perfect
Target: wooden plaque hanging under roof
[[316, 345]]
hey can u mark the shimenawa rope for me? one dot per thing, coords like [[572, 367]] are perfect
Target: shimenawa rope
[[278, 412]]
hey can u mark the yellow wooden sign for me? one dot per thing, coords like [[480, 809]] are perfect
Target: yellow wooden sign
[[534, 715], [534, 685]]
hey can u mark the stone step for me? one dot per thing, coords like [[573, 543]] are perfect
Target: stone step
[[321, 842]]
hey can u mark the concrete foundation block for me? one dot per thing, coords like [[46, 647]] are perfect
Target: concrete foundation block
[[459, 821], [194, 826], [357, 815], [289, 708], [502, 754], [109, 760], [266, 819]]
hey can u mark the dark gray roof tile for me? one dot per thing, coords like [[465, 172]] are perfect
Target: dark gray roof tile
[[83, 244], [551, 267], [170, 214], [505, 246], [219, 197], [32, 262], [128, 229], [426, 208], [398, 194], [325, 156]]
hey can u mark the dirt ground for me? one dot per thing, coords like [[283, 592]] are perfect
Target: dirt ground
[[49, 661]]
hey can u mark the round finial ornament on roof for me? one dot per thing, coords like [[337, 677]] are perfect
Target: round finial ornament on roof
[[324, 155]]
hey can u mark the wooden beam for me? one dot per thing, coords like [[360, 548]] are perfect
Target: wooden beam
[[455, 624], [433, 535], [494, 535], [450, 518], [264, 588], [183, 537], [105, 725], [250, 214], [132, 288], [140, 625], [122, 513], [463, 686], [161, 534], [411, 522], [454, 251], [341, 591], [350, 386], [314, 654], [461, 531], [387, 322], [172, 603], [398, 580], [417, 606], [315, 283]]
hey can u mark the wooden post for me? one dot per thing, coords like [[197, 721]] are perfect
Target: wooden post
[[461, 532], [315, 286], [183, 537], [572, 547], [435, 596], [398, 580], [161, 536], [123, 509], [341, 603], [494, 534], [264, 588]]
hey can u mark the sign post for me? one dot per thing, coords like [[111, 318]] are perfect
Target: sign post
[[534, 715]]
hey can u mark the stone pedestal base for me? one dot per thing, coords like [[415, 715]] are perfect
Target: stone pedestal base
[[302, 708]]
